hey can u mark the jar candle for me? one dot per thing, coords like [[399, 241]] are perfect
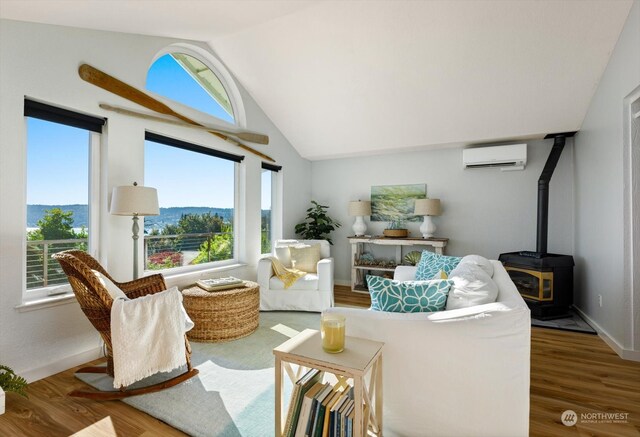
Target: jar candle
[[332, 332]]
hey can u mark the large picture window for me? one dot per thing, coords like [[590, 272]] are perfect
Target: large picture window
[[197, 196], [268, 209], [62, 190]]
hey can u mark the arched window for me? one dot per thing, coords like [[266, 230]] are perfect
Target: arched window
[[185, 79]]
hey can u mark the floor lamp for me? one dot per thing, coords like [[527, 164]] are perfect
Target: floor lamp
[[136, 201]]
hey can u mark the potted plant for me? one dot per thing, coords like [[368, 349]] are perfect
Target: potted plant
[[317, 224], [396, 229], [9, 381]]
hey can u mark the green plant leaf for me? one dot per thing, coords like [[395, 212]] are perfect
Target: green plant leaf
[[9, 381]]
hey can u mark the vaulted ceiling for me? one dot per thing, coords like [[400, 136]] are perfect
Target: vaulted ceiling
[[347, 78]]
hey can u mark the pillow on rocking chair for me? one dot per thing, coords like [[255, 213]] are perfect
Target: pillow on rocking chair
[[114, 291]]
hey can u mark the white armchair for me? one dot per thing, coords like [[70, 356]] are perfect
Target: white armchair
[[312, 292]]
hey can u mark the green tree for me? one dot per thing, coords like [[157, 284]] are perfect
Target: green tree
[[200, 223], [55, 225], [215, 246], [265, 239]]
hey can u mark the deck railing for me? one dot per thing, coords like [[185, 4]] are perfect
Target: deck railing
[[160, 252], [167, 251], [42, 270]]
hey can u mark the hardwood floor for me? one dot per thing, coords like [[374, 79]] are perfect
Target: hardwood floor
[[569, 371], [345, 297], [579, 372]]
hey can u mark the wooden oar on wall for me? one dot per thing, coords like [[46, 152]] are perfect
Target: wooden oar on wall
[[253, 137], [116, 86]]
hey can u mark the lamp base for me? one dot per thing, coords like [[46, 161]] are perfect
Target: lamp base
[[135, 228], [428, 228], [359, 226]]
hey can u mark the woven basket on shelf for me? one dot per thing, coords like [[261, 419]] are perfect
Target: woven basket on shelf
[[395, 233]]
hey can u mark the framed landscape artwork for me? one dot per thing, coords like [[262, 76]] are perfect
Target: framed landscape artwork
[[396, 202]]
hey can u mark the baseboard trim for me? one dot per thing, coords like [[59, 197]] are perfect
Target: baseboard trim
[[625, 354], [343, 283], [49, 369]]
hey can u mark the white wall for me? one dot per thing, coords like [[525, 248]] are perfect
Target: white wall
[[41, 61], [599, 193], [485, 211]]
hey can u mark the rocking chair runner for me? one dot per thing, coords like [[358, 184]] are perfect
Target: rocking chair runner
[[96, 303]]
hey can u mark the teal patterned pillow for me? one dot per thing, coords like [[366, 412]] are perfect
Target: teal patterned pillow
[[431, 263], [408, 296]]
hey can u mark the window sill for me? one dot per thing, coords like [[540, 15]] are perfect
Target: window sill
[[46, 302]]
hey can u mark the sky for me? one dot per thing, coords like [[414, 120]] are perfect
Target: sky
[[182, 178], [198, 180], [57, 164], [166, 77]]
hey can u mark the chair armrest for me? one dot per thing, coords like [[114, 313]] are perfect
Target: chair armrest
[[325, 274], [265, 272], [143, 286]]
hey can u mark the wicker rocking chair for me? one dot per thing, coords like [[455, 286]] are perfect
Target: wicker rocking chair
[[96, 303]]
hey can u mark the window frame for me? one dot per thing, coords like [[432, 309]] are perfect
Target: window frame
[[218, 68], [238, 162], [95, 128]]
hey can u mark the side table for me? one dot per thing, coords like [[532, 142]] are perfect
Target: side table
[[222, 315], [360, 358]]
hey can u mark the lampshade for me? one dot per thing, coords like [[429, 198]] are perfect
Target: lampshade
[[427, 207], [359, 208], [134, 200]]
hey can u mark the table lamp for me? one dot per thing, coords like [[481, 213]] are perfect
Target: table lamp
[[136, 201], [427, 208], [358, 209]]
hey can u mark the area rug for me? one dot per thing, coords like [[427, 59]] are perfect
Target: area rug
[[573, 323], [233, 395]]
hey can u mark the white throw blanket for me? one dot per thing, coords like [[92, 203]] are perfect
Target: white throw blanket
[[147, 336]]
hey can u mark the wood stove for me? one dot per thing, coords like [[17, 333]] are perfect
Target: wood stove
[[545, 280]]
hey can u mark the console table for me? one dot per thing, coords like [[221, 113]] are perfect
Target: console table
[[357, 248]]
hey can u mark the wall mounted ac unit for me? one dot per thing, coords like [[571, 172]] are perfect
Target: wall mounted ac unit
[[511, 157]]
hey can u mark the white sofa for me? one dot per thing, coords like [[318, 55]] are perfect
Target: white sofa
[[313, 292], [462, 372]]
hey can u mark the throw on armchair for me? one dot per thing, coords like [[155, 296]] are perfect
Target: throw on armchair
[[312, 292]]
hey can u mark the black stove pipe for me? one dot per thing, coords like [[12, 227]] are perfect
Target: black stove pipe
[[543, 189]]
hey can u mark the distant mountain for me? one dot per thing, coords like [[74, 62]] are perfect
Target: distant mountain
[[167, 215], [36, 212]]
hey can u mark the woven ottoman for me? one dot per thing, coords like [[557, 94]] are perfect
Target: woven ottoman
[[222, 315]]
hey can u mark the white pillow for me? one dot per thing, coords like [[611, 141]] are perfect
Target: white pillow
[[471, 286], [305, 257], [114, 291], [284, 256], [480, 261]]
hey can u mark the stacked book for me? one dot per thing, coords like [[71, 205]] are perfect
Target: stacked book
[[219, 284], [319, 409]]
